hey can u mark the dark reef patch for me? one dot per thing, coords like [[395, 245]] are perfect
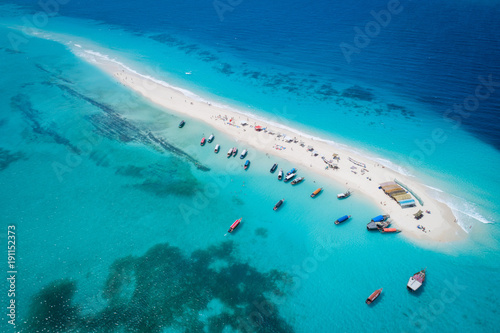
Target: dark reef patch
[[22, 103], [165, 288], [224, 68], [358, 92], [262, 232], [7, 158], [52, 309], [163, 179], [112, 125]]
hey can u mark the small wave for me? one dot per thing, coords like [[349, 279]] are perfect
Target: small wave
[[393, 166], [433, 188]]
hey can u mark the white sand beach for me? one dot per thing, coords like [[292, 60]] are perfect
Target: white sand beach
[[440, 224]]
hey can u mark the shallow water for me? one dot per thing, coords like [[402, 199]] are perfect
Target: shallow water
[[96, 197]]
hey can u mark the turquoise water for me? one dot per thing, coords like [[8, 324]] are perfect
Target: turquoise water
[[95, 200]]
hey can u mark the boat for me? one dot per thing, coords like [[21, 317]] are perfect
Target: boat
[[342, 219], [182, 123], [280, 174], [315, 193], [291, 171], [389, 230], [202, 143], [211, 138], [297, 181], [373, 296], [344, 195], [230, 152], [289, 177], [278, 205], [416, 280], [235, 151], [247, 164], [243, 153], [377, 225], [273, 168], [234, 225], [380, 218], [217, 147]]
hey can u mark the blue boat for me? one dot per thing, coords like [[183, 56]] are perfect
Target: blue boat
[[247, 164], [291, 171], [342, 219], [380, 218]]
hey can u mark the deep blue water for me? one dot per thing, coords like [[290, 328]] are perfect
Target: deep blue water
[[433, 51], [117, 231]]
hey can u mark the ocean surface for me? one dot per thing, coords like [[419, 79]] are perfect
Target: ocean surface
[[121, 217]]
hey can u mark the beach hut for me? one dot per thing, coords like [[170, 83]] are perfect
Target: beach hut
[[407, 203]]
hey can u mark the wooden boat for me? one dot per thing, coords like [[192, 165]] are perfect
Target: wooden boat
[[297, 181], [342, 219], [211, 138], [389, 230], [373, 296], [278, 205], [230, 152], [181, 124], [235, 151], [217, 147], [273, 168], [289, 177], [291, 171], [416, 280], [315, 193], [202, 143], [377, 225], [344, 195], [247, 164], [280, 174], [380, 218], [243, 154], [234, 225]]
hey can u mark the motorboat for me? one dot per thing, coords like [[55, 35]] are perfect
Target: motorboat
[[235, 151], [315, 193], [182, 123], [202, 143], [389, 230], [247, 164], [344, 195], [273, 168], [211, 138], [297, 181], [373, 296], [234, 225], [377, 225], [278, 205], [416, 281], [291, 171], [243, 153], [289, 177], [280, 174], [342, 219], [230, 152], [217, 147]]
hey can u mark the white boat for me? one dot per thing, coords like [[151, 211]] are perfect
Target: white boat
[[211, 138], [289, 177], [416, 280], [280, 174], [230, 152], [243, 153], [344, 195], [217, 147]]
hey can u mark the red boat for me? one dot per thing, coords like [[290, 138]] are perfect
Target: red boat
[[234, 225], [374, 296], [202, 142]]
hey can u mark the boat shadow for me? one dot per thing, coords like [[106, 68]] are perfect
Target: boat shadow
[[416, 293]]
